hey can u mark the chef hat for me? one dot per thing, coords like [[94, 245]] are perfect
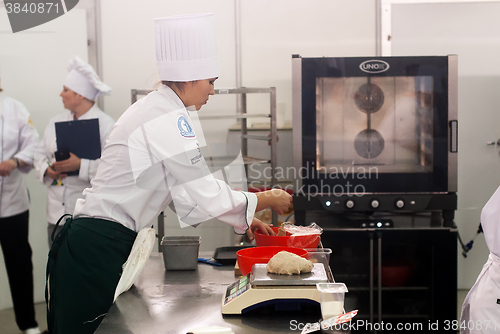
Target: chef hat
[[186, 47], [83, 80]]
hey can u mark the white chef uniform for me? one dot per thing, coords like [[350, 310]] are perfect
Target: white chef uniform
[[481, 308], [61, 199], [18, 140], [151, 158]]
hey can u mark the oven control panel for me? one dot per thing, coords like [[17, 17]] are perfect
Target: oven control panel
[[377, 223], [376, 202]]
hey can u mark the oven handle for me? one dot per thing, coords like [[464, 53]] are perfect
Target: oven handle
[[453, 136]]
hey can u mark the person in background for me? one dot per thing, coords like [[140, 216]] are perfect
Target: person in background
[[18, 143], [152, 159], [80, 91], [481, 307]]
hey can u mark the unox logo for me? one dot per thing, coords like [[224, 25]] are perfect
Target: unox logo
[[374, 66]]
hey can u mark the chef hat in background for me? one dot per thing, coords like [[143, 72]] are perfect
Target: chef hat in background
[[83, 80], [186, 47]]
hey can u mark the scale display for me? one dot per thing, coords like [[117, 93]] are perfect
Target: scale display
[[237, 288]]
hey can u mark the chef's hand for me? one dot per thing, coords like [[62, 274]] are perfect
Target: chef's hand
[[69, 165], [278, 199], [262, 227], [53, 174], [282, 201], [7, 166]]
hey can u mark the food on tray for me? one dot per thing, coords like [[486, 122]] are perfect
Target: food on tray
[[286, 263], [281, 231]]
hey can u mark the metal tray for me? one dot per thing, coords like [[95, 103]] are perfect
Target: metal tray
[[227, 255]]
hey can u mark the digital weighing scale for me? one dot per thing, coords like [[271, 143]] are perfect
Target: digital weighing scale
[[260, 288]]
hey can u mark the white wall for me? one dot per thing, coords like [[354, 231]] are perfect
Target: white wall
[[128, 51], [472, 31]]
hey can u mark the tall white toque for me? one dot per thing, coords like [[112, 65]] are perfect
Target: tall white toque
[[186, 47], [83, 80]]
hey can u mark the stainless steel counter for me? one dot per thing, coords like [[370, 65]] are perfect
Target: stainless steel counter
[[178, 301]]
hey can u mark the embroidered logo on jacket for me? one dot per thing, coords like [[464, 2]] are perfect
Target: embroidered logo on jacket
[[193, 154], [185, 130]]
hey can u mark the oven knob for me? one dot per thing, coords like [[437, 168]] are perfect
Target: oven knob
[[400, 203], [349, 204], [375, 203]]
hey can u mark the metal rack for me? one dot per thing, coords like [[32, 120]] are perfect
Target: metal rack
[[242, 117]]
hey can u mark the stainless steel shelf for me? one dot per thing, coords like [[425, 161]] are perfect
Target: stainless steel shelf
[[243, 90], [218, 91], [251, 160], [266, 138]]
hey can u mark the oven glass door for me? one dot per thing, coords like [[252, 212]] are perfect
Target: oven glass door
[[375, 132]]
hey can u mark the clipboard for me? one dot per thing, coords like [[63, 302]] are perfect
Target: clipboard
[[80, 137]]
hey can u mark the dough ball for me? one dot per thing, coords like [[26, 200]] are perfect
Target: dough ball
[[286, 263]]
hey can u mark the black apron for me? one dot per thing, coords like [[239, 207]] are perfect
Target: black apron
[[83, 270]]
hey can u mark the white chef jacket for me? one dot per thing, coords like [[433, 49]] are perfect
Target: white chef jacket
[[62, 199], [18, 140], [152, 159], [481, 308]]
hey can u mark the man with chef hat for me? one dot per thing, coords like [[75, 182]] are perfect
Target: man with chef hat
[[80, 90], [152, 159], [18, 140], [481, 307]]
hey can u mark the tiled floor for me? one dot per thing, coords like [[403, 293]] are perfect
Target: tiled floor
[[8, 324]]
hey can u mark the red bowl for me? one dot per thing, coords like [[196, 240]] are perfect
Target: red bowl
[[249, 256], [300, 241]]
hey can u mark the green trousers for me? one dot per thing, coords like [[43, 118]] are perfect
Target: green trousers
[[83, 270]]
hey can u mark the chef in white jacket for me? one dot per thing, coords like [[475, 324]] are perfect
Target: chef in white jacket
[[152, 159], [80, 90], [18, 140], [481, 307]]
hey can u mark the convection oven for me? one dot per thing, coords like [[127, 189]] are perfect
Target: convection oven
[[375, 134]]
